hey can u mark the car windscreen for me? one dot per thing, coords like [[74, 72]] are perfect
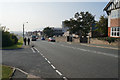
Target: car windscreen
[[33, 36]]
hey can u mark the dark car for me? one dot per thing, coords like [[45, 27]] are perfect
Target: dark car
[[34, 38], [51, 39], [42, 38]]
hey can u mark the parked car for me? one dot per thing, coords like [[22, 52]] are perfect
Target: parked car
[[51, 39], [42, 38], [34, 38]]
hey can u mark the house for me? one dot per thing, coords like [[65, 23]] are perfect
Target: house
[[65, 28], [57, 31], [113, 11]]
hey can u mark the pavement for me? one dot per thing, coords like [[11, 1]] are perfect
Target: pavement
[[62, 61]]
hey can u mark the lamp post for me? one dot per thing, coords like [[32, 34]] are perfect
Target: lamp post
[[23, 29]]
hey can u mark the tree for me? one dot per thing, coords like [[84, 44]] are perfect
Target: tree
[[102, 25], [48, 32], [81, 23], [8, 39], [73, 25]]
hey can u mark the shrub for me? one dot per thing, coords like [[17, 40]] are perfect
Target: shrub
[[8, 39], [109, 39], [15, 39]]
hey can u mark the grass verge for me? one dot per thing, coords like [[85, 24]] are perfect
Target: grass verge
[[6, 72], [16, 46]]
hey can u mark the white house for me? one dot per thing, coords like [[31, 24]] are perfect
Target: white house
[[113, 12]]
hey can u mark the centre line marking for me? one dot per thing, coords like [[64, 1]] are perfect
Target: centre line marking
[[53, 67], [65, 78], [46, 59], [58, 72], [49, 62], [33, 50], [97, 52], [36, 49]]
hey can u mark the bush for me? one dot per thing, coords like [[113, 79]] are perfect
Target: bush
[[15, 39], [8, 39], [109, 39]]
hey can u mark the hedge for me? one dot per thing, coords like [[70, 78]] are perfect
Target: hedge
[[109, 39], [8, 39]]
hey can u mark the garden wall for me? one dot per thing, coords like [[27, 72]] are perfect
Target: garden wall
[[92, 41]]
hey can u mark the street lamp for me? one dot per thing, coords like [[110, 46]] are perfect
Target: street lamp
[[23, 29]]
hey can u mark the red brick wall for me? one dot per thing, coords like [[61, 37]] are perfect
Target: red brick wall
[[115, 22]]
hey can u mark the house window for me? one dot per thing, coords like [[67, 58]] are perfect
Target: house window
[[115, 31]]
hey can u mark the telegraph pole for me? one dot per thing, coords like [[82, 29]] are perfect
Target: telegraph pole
[[23, 31]]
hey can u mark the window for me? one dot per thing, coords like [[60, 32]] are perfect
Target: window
[[115, 14], [115, 31]]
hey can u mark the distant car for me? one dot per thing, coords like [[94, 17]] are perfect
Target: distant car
[[51, 39], [42, 38], [34, 38]]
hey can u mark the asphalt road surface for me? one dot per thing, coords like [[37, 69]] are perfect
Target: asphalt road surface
[[57, 59], [29, 62], [78, 61]]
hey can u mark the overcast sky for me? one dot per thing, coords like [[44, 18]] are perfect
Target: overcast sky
[[42, 14]]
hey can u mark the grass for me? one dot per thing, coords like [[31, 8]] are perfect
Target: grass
[[6, 72], [16, 46]]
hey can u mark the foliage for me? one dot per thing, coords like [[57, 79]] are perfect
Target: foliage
[[15, 38], [8, 39], [16, 46], [102, 25], [81, 23], [109, 39], [48, 32], [6, 72]]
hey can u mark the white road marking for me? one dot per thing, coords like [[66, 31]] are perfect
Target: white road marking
[[58, 72], [21, 71], [65, 78], [49, 62], [98, 46], [36, 49], [52, 43], [102, 53], [33, 50], [46, 59], [53, 67]]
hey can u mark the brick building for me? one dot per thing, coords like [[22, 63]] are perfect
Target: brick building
[[113, 12]]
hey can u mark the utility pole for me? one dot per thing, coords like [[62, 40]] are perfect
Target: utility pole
[[23, 31]]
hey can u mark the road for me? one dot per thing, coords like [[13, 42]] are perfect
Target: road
[[79, 61], [29, 62], [58, 59]]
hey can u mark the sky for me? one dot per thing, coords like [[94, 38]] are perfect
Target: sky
[[42, 14]]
